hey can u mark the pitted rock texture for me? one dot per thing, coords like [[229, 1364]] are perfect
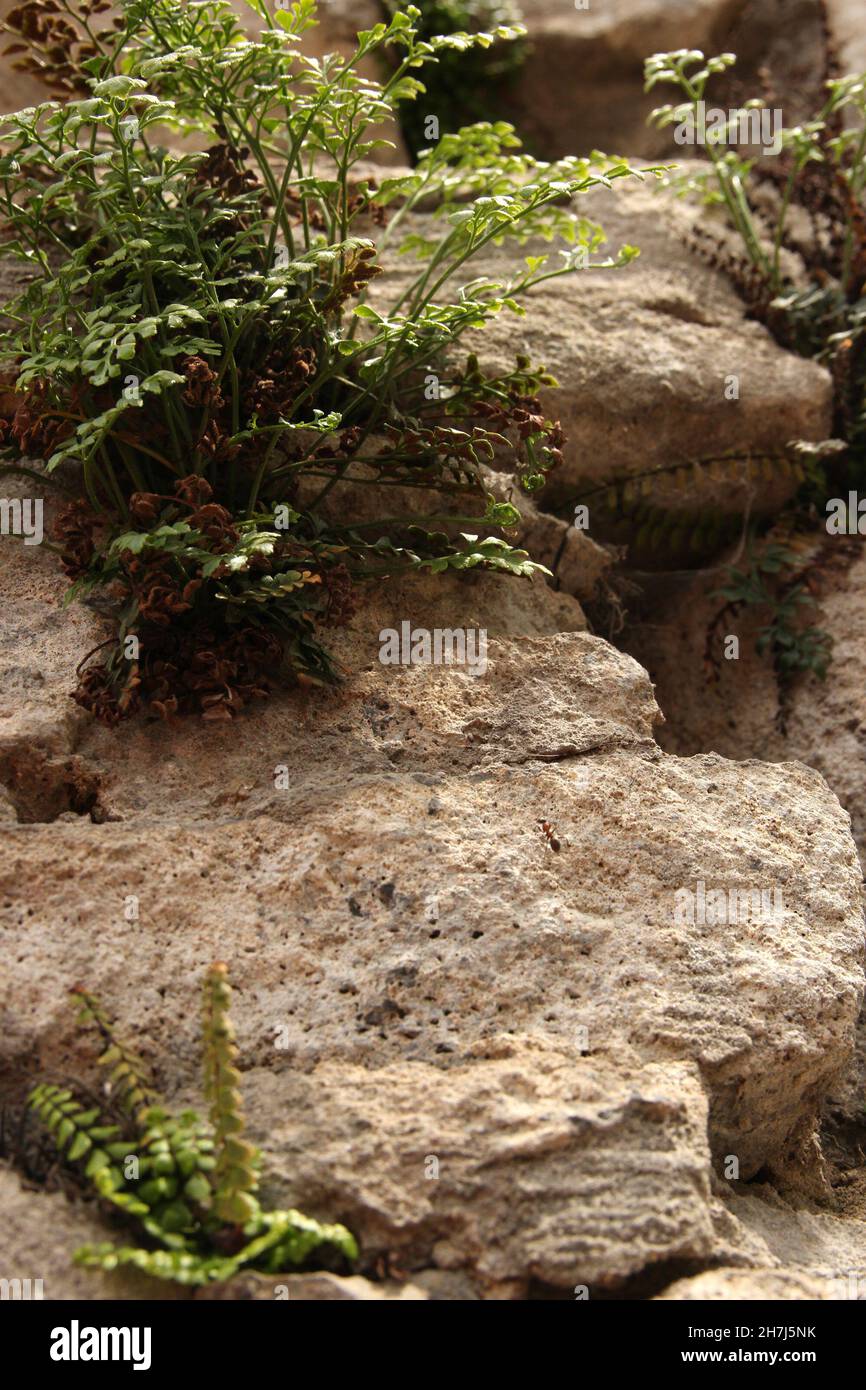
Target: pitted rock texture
[[420, 974], [737, 708], [509, 1067], [825, 725], [548, 1167]]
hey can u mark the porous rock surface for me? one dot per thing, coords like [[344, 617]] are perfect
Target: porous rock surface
[[507, 1067], [736, 708], [825, 725], [421, 976]]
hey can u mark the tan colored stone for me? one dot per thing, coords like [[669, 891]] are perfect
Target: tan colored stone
[[826, 1243], [41, 1231], [826, 723], [581, 86], [399, 914], [642, 354], [550, 1166], [308, 1288], [749, 1285], [848, 27], [442, 983]]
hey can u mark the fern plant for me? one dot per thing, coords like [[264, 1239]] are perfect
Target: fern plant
[[821, 169], [190, 1187], [198, 356], [769, 582], [465, 83]]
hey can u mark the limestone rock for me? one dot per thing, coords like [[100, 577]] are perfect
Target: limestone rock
[[642, 355], [603, 1170], [41, 1230], [826, 1244], [735, 708], [475, 1021], [676, 627], [848, 27], [581, 87], [43, 642], [420, 974], [749, 1285], [826, 723]]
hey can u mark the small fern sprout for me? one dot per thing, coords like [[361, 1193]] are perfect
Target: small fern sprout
[[129, 1079], [191, 1188], [235, 1174]]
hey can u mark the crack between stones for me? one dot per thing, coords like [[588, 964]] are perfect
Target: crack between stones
[[563, 752]]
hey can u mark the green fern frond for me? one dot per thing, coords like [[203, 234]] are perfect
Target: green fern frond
[[290, 1237], [176, 1161], [181, 1266], [82, 1138], [190, 1189], [235, 1175], [77, 1131], [287, 1239], [128, 1075]]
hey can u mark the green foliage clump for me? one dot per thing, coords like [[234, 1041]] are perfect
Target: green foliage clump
[[466, 80], [766, 583], [814, 304], [193, 1193], [820, 169], [203, 354]]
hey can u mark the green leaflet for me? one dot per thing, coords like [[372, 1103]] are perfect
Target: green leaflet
[[184, 1183], [213, 337]]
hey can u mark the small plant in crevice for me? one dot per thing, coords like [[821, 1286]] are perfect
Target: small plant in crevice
[[207, 353], [465, 82], [632, 509], [772, 582], [187, 1187], [818, 307], [800, 222], [814, 303]]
